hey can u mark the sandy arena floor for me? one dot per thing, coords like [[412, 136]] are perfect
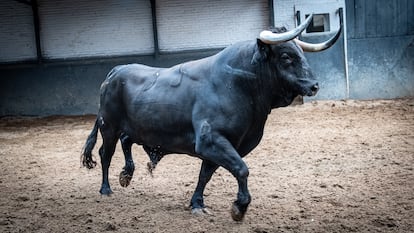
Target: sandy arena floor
[[326, 166]]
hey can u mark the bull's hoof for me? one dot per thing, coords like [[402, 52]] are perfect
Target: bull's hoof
[[236, 213], [201, 212], [106, 191], [124, 178]]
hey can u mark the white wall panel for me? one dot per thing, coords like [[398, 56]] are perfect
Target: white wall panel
[[84, 28], [17, 37], [200, 24], [284, 10], [284, 13]]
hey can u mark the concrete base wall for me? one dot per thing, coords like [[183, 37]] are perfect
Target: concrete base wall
[[66, 88], [379, 68]]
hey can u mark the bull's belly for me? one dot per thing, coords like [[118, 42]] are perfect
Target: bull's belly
[[174, 139]]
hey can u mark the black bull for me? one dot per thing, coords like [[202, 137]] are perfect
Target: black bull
[[214, 109]]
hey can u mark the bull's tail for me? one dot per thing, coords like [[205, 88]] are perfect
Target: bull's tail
[[86, 156]]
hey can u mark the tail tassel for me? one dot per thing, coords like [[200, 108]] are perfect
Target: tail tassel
[[88, 162]]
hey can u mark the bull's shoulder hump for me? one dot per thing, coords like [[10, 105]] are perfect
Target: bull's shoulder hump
[[197, 69]]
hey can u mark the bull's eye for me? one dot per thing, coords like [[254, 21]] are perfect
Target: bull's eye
[[286, 59]]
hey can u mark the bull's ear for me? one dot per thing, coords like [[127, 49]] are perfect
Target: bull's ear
[[261, 54]]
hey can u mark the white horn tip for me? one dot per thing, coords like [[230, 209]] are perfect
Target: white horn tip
[[265, 34]]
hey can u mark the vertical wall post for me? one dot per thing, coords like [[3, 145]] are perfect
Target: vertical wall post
[[271, 13], [36, 22], [154, 28], [345, 40], [298, 18]]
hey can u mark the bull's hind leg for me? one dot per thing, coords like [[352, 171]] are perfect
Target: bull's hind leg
[[106, 152], [128, 171]]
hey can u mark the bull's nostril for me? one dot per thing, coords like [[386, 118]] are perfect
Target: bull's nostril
[[315, 87]]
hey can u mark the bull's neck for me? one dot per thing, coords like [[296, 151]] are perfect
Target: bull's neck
[[259, 86], [264, 85], [267, 91]]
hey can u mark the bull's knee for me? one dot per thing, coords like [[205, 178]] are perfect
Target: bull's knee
[[242, 172]]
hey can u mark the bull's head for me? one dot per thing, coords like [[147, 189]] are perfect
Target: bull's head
[[284, 55]]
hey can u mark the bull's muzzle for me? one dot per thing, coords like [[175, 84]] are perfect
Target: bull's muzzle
[[309, 89], [314, 89]]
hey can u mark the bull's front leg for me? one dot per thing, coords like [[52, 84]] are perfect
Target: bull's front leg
[[215, 148], [197, 201]]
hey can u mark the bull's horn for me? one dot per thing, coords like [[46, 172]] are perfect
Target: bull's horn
[[308, 47], [269, 37]]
